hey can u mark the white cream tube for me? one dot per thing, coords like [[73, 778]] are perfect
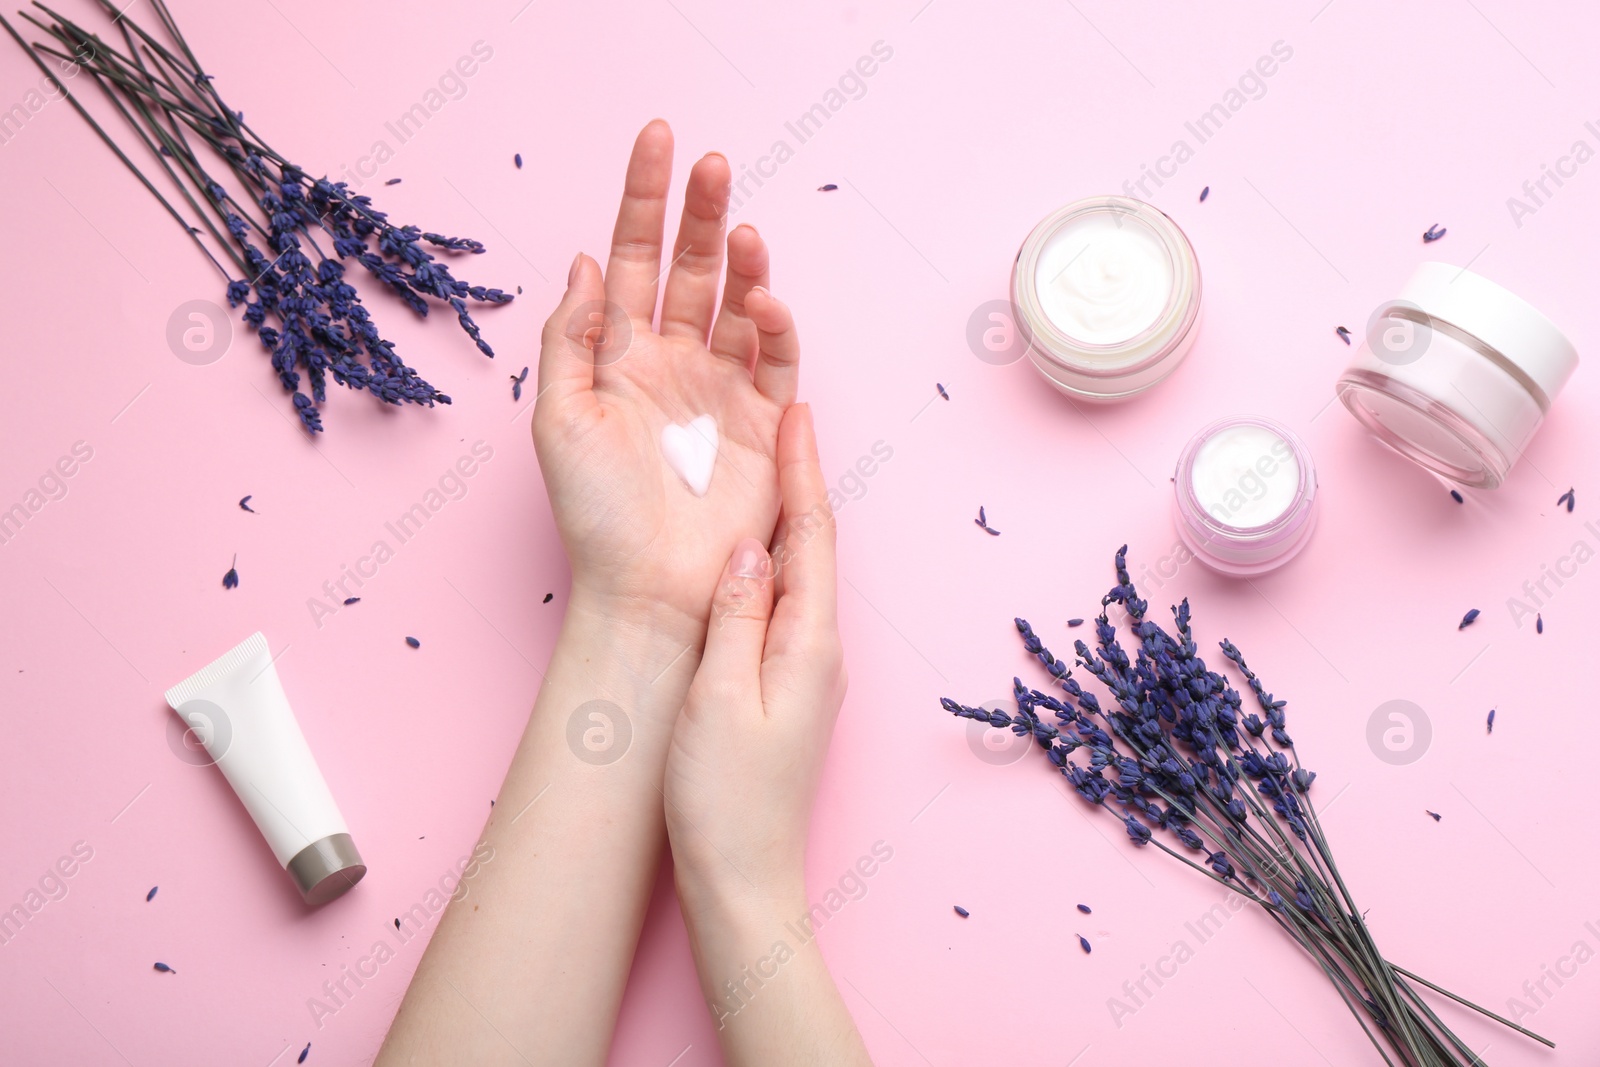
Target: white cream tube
[[237, 707]]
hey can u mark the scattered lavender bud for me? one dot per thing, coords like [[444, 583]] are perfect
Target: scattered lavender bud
[[983, 524], [549, 597], [963, 912], [1083, 943], [392, 181], [231, 579], [351, 600], [1455, 494], [148, 897], [1469, 618], [1491, 721], [519, 290], [1436, 815], [517, 159], [983, 520], [830, 187], [1433, 233], [304, 1053], [1074, 622], [516, 384], [1538, 624], [1569, 498], [1344, 333], [413, 642], [164, 969], [1205, 193], [397, 921], [1085, 909], [940, 387], [245, 503]]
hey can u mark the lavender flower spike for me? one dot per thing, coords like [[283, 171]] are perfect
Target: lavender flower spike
[[1164, 745]]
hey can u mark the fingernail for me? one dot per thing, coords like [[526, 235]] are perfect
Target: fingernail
[[760, 289], [749, 559], [747, 226], [572, 271]]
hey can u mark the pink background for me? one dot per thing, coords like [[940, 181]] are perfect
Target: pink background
[[1386, 119]]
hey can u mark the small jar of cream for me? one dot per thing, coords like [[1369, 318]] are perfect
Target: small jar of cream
[[1245, 495], [1107, 293], [1456, 374]]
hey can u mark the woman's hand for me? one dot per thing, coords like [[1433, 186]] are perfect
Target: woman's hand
[[749, 745], [533, 970], [641, 544], [741, 774]]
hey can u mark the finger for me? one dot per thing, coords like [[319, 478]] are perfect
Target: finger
[[691, 296], [778, 364], [734, 335], [740, 609], [566, 347], [635, 263], [805, 556]]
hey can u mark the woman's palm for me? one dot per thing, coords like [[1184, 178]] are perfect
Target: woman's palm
[[609, 384]]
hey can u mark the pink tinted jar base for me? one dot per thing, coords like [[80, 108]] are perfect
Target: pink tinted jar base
[[1276, 555]]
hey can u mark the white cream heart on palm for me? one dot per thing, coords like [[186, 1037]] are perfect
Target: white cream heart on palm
[[691, 451]]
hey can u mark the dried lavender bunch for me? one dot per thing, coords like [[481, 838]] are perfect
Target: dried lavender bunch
[[306, 313], [1184, 768]]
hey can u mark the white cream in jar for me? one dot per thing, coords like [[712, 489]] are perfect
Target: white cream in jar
[[1103, 281], [1245, 475], [1245, 495], [1107, 293]]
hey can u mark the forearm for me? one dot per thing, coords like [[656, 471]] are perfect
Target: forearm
[[530, 967], [771, 997]]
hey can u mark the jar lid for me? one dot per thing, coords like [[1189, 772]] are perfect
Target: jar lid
[[1535, 349]]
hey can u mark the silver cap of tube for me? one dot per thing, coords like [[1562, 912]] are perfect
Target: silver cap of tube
[[326, 868]]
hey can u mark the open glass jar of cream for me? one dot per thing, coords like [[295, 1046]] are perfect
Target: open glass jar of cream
[[1456, 374], [1245, 495], [1107, 292]]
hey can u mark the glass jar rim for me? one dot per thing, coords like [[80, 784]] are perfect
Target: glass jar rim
[[1198, 514], [1145, 349], [1492, 464]]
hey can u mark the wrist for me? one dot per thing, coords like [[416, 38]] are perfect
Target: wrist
[[741, 941], [726, 900], [640, 622], [641, 655], [725, 928]]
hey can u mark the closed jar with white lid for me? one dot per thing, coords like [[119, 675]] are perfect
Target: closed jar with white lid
[[1456, 374]]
